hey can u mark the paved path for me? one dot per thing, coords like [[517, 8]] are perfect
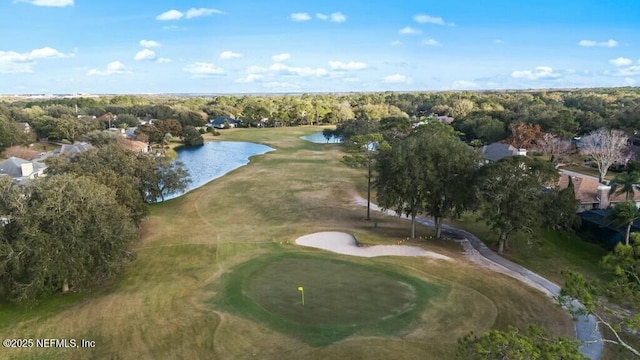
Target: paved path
[[586, 326]]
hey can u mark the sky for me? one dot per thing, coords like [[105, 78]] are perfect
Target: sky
[[283, 46]]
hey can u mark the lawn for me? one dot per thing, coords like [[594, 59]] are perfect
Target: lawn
[[545, 252], [164, 304]]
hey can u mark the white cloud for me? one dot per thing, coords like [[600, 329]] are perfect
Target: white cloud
[[145, 54], [170, 15], [430, 42], [338, 17], [352, 80], [113, 68], [395, 79], [202, 69], [633, 70], [629, 82], [540, 73], [351, 65], [285, 70], [396, 43], [189, 14], [621, 61], [300, 17], [281, 57], [591, 43], [498, 41], [199, 12], [226, 55], [250, 78], [255, 69], [408, 30], [149, 43], [463, 85], [428, 19], [49, 3], [15, 62], [163, 60]]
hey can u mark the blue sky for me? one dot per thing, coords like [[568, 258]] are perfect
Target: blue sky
[[257, 46]]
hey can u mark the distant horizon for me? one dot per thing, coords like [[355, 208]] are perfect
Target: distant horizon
[[197, 94]]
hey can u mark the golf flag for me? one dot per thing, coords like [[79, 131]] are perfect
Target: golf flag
[[300, 288]]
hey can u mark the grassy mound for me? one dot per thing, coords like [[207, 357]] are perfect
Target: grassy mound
[[341, 298]]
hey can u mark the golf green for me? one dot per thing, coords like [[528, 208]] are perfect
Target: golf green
[[335, 293], [340, 297]]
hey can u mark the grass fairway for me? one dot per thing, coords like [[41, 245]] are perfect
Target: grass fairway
[[161, 307], [341, 297]]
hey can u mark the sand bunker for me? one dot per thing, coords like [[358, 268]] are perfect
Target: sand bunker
[[343, 243]]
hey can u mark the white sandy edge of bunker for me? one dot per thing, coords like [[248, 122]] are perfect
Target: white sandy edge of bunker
[[345, 244]]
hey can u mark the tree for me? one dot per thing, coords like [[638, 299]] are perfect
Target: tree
[[363, 148], [553, 146], [86, 233], [625, 183], [624, 214], [398, 170], [589, 295], [514, 344], [510, 195], [623, 265], [11, 134], [192, 137], [560, 208], [605, 147], [524, 136], [447, 176], [170, 177], [102, 137]]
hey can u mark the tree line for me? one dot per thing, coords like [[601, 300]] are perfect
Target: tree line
[[483, 117], [74, 228]]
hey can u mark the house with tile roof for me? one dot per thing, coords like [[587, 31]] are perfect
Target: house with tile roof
[[592, 194]]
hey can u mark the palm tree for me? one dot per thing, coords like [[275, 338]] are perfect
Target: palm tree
[[624, 183], [624, 214]]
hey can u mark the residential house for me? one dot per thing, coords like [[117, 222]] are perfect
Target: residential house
[[498, 151], [591, 194], [21, 170], [218, 122], [74, 148], [136, 146]]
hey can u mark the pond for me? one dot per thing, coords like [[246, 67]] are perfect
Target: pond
[[214, 159], [319, 138]]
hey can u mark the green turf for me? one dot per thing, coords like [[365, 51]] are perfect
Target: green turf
[[341, 298]]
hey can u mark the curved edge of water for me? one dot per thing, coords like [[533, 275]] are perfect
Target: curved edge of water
[[245, 163]]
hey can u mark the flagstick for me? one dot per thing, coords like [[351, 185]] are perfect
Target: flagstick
[[301, 289]]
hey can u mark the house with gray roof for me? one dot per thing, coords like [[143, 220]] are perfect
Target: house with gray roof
[[74, 148], [497, 151], [20, 170]]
